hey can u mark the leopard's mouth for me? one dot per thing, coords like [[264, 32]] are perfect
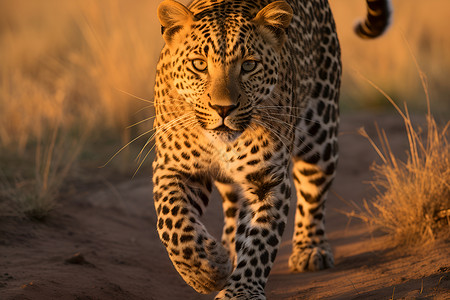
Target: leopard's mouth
[[223, 127], [227, 130]]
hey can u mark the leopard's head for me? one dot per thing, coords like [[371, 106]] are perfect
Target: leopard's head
[[225, 59]]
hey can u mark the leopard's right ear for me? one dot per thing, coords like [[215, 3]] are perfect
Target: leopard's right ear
[[275, 19], [174, 17]]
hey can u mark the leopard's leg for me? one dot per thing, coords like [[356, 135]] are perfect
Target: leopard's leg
[[231, 197], [313, 172], [261, 223], [180, 198], [311, 250], [315, 157]]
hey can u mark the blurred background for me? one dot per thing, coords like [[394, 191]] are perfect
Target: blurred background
[[76, 75]]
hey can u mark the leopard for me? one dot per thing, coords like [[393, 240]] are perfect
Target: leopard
[[246, 102]]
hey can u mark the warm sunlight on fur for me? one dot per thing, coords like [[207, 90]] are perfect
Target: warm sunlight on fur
[[67, 59], [79, 134], [84, 65]]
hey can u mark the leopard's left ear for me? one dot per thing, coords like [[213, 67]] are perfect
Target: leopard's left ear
[[275, 17]]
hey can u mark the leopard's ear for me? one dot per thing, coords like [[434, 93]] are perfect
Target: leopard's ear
[[174, 17], [276, 14], [275, 17]]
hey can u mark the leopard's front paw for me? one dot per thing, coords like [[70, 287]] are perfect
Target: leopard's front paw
[[208, 271], [238, 290], [206, 282], [311, 259], [240, 295]]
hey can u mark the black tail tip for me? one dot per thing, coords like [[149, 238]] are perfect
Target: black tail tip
[[377, 21], [366, 31]]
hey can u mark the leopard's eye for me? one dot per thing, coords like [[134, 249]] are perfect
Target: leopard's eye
[[200, 65], [249, 65]]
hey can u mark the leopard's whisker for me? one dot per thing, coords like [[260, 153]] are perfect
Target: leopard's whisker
[[144, 108], [134, 96], [193, 121], [294, 145], [150, 118], [140, 122], [271, 118], [296, 128], [189, 119], [300, 117], [267, 126], [165, 128], [126, 145], [143, 99]]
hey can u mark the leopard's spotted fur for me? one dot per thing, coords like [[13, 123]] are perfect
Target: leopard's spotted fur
[[246, 96]]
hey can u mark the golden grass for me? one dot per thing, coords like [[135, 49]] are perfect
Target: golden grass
[[62, 66], [413, 201], [66, 60]]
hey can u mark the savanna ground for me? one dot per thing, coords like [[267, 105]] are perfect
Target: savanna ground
[[72, 230]]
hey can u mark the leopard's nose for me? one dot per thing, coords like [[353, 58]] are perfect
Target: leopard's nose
[[223, 111]]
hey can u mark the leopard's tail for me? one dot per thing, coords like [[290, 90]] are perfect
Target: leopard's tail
[[378, 19]]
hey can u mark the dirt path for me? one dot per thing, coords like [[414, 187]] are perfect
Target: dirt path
[[120, 256]]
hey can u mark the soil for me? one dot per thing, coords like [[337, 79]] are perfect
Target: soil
[[101, 242]]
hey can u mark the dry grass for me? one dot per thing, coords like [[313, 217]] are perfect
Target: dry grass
[[61, 69], [35, 196], [413, 201], [64, 62], [67, 60]]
